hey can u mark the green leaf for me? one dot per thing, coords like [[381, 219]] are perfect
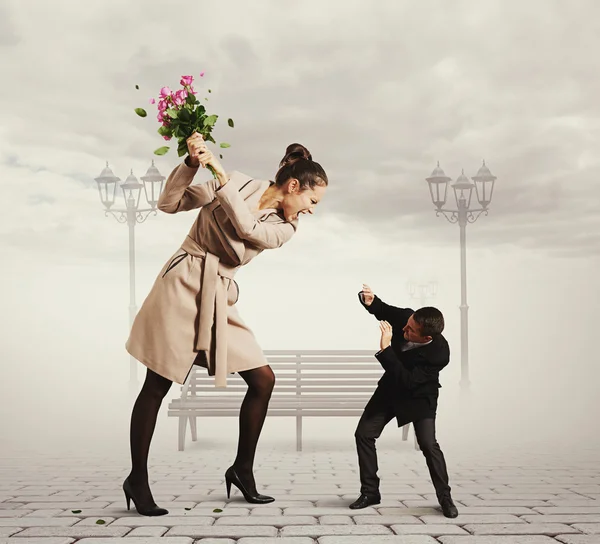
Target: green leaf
[[161, 150], [76, 511], [230, 122], [182, 152], [224, 145], [141, 112], [210, 120], [220, 156], [217, 510], [100, 522], [188, 508], [184, 115], [191, 99], [209, 91], [137, 87], [165, 131], [209, 138], [172, 113]]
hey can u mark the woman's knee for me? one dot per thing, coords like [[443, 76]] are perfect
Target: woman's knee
[[260, 380], [156, 385]]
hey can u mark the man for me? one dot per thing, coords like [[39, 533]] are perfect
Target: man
[[408, 391]]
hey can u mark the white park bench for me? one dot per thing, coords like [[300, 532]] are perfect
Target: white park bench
[[309, 383]]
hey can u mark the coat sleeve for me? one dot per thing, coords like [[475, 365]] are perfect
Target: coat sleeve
[[179, 196], [423, 371], [262, 234], [384, 312]]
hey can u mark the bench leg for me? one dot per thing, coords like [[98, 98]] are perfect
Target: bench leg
[[405, 429], [298, 433], [193, 428], [182, 428]]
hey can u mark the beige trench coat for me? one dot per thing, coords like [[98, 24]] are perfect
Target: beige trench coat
[[189, 317]]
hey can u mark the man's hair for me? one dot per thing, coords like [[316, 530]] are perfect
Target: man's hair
[[430, 321]]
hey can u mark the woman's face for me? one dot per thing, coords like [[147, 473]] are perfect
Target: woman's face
[[298, 201]]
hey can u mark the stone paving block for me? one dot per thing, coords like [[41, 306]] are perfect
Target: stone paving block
[[588, 528], [15, 513], [514, 496], [277, 540], [24, 540], [378, 539], [330, 511], [347, 500], [577, 539], [168, 505], [567, 510], [274, 521], [433, 530], [38, 522], [549, 529], [386, 520], [508, 539], [148, 531], [514, 510], [266, 511], [66, 505], [562, 518], [81, 531], [170, 521], [215, 541], [464, 519], [404, 511], [93, 521], [316, 531], [338, 520], [42, 513], [528, 503], [226, 531], [8, 531], [137, 540]]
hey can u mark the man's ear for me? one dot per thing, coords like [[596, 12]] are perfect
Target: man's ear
[[428, 338]]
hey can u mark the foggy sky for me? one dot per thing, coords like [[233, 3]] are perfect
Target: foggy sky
[[379, 94]]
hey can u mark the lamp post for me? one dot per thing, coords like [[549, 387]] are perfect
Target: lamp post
[[462, 214], [132, 215], [422, 291]]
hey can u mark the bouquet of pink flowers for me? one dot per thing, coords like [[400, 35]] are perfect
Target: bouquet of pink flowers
[[180, 114]]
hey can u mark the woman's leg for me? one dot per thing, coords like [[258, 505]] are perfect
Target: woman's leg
[[252, 416], [143, 422]]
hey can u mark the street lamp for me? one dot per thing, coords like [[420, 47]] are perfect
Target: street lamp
[[422, 291], [463, 214], [131, 214]]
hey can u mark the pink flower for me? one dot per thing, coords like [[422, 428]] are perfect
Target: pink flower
[[186, 80], [164, 92], [152, 101], [192, 91], [201, 74], [167, 138], [179, 97], [162, 106]]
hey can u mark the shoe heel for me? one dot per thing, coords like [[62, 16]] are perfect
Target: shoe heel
[[228, 486], [128, 500]]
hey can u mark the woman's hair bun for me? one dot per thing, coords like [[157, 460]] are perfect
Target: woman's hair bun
[[293, 153]]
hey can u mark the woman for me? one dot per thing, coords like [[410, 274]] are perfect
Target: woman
[[189, 316]]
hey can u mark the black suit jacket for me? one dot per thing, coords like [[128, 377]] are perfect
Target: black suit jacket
[[410, 382]]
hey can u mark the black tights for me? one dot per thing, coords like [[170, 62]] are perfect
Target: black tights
[[252, 416]]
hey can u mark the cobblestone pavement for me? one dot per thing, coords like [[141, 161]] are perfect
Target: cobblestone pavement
[[503, 498]]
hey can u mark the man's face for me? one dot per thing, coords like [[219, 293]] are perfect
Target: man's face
[[412, 332]]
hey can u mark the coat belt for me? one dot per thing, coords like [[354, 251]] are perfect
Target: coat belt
[[213, 307]]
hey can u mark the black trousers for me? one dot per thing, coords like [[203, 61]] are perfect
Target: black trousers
[[378, 413]]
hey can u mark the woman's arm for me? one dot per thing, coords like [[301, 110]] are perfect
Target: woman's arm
[[179, 196], [262, 234]]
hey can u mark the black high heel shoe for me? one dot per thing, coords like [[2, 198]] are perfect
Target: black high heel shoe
[[152, 510], [231, 477]]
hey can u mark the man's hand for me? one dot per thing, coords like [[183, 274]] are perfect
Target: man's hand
[[367, 294], [386, 334]]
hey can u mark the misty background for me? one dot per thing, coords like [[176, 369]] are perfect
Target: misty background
[[378, 92]]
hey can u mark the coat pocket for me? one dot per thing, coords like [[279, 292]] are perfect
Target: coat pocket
[[174, 262]]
